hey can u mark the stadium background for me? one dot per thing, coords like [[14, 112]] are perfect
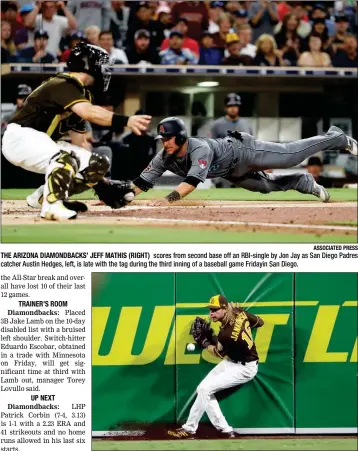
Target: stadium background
[[143, 376]]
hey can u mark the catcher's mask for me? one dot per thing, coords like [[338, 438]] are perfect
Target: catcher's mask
[[172, 126], [92, 60]]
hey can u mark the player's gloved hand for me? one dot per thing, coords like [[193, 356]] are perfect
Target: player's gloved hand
[[115, 193], [201, 332]]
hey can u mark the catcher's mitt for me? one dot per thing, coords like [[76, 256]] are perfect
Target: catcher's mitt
[[201, 332], [114, 193]]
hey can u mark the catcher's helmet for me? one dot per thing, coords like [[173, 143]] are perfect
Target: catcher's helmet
[[232, 99], [172, 126], [23, 91], [92, 60]]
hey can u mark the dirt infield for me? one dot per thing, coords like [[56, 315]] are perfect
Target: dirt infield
[[303, 217]]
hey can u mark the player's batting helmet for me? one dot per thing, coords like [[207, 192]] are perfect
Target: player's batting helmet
[[232, 99], [172, 126], [92, 60]]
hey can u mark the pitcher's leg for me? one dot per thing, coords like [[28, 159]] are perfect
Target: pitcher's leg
[[230, 375], [198, 408], [269, 155], [196, 412], [267, 183], [235, 374], [216, 416]]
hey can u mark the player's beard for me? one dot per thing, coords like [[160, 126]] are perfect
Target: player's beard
[[233, 117], [171, 157]]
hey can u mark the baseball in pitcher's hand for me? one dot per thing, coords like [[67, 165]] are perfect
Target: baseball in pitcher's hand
[[139, 123]]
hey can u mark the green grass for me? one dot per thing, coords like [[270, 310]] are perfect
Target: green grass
[[341, 195], [91, 233], [254, 444]]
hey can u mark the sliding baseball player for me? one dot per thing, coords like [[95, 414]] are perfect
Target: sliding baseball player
[[239, 158]]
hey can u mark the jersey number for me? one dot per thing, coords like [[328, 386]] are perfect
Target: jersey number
[[246, 335]]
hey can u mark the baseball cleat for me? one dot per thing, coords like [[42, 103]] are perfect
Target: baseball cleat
[[181, 433], [35, 199], [352, 146], [230, 434], [57, 212], [321, 192]]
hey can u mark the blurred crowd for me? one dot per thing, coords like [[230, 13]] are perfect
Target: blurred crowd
[[235, 33]]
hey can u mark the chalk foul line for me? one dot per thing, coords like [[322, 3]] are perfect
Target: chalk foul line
[[238, 223]]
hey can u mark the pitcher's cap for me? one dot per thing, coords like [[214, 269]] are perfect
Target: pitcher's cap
[[217, 302]]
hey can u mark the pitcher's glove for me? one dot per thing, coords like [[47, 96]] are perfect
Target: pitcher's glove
[[115, 193], [202, 332]]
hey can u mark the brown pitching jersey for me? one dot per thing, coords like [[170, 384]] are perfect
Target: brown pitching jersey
[[47, 108], [236, 338]]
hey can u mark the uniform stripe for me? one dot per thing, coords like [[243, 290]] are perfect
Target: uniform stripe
[[55, 122]]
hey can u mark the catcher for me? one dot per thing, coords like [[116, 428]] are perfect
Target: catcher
[[61, 105], [236, 343], [238, 158]]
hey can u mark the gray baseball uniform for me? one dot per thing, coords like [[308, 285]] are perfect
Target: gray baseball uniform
[[240, 158], [221, 126]]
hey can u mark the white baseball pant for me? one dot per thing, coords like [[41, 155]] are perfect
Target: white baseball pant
[[226, 374], [32, 150]]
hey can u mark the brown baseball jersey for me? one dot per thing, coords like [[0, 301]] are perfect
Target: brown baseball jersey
[[236, 338], [48, 108]]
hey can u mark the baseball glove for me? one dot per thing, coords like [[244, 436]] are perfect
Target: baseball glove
[[114, 193], [201, 332]]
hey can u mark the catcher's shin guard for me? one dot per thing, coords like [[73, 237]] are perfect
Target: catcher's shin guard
[[59, 176], [89, 177], [97, 168]]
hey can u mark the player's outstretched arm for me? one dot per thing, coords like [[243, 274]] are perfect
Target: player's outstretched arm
[[178, 193], [100, 116]]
